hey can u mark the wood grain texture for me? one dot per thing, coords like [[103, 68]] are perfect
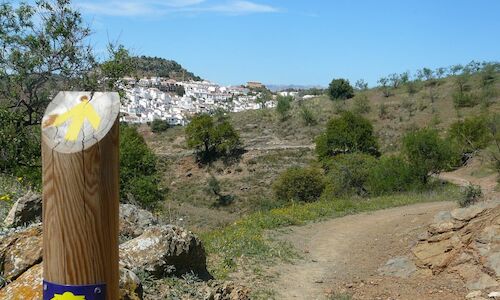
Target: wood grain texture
[[81, 211]]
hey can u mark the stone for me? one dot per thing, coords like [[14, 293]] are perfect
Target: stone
[[130, 286], [434, 255], [19, 251], [134, 220], [493, 262], [495, 295], [483, 281], [467, 213], [26, 210], [399, 267], [473, 294], [443, 222], [28, 286], [163, 250], [227, 291]]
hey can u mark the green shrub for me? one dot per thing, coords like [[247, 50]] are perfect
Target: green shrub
[[308, 116], [470, 195], [283, 106], [139, 180], [340, 89], [347, 134], [382, 111], [464, 99], [361, 104], [390, 174], [159, 125], [347, 174], [471, 134], [427, 153], [299, 184]]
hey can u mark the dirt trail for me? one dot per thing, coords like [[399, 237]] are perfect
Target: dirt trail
[[342, 255]]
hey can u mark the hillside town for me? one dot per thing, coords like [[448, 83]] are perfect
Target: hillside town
[[154, 98]]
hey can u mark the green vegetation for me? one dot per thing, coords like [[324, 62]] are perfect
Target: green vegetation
[[308, 116], [283, 106], [340, 89], [347, 134], [471, 134], [159, 125], [246, 240], [427, 153], [139, 179], [212, 137], [299, 184], [347, 174], [470, 195], [391, 174], [361, 104], [159, 67]]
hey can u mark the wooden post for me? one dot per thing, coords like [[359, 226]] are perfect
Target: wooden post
[[80, 158]]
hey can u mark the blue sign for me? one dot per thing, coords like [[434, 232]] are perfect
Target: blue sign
[[54, 291]]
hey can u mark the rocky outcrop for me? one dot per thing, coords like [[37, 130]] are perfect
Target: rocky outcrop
[[19, 251], [465, 241], [134, 220], [29, 286], [163, 250], [26, 210]]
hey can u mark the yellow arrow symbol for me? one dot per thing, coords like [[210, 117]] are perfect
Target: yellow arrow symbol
[[77, 114]]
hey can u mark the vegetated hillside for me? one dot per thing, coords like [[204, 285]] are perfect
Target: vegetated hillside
[[156, 66], [273, 145]]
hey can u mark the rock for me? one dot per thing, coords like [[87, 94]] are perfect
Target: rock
[[163, 250], [29, 286], [467, 213], [434, 255], [26, 210], [227, 291], [493, 262], [19, 251], [473, 294], [130, 285], [483, 282], [443, 222], [133, 220], [495, 295], [399, 267]]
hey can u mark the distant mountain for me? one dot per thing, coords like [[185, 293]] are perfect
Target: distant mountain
[[283, 87], [155, 66]]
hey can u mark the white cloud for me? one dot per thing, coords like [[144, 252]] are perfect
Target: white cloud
[[155, 7]]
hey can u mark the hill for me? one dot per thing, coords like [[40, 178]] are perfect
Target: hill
[[160, 67]]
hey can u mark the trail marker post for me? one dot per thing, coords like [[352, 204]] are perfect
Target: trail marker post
[[80, 162]]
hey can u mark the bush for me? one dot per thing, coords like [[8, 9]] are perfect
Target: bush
[[470, 195], [159, 125], [283, 106], [299, 184], [464, 99], [340, 89], [470, 134], [307, 116], [390, 174], [139, 180], [427, 153], [361, 104], [212, 138], [347, 174], [347, 134]]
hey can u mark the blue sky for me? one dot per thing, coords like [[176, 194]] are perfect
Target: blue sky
[[300, 41]]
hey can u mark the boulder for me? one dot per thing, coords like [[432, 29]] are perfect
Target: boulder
[[467, 213], [26, 210], [130, 285], [19, 251], [444, 222], [398, 267], [29, 286], [163, 250], [133, 220], [435, 255]]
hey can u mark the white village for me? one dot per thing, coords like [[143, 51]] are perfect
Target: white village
[[157, 98]]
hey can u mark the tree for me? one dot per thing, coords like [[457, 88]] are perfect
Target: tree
[[340, 89], [471, 134], [44, 50], [283, 106], [361, 85], [384, 82], [212, 138], [159, 125], [139, 179], [361, 104], [426, 153], [347, 134], [299, 184]]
